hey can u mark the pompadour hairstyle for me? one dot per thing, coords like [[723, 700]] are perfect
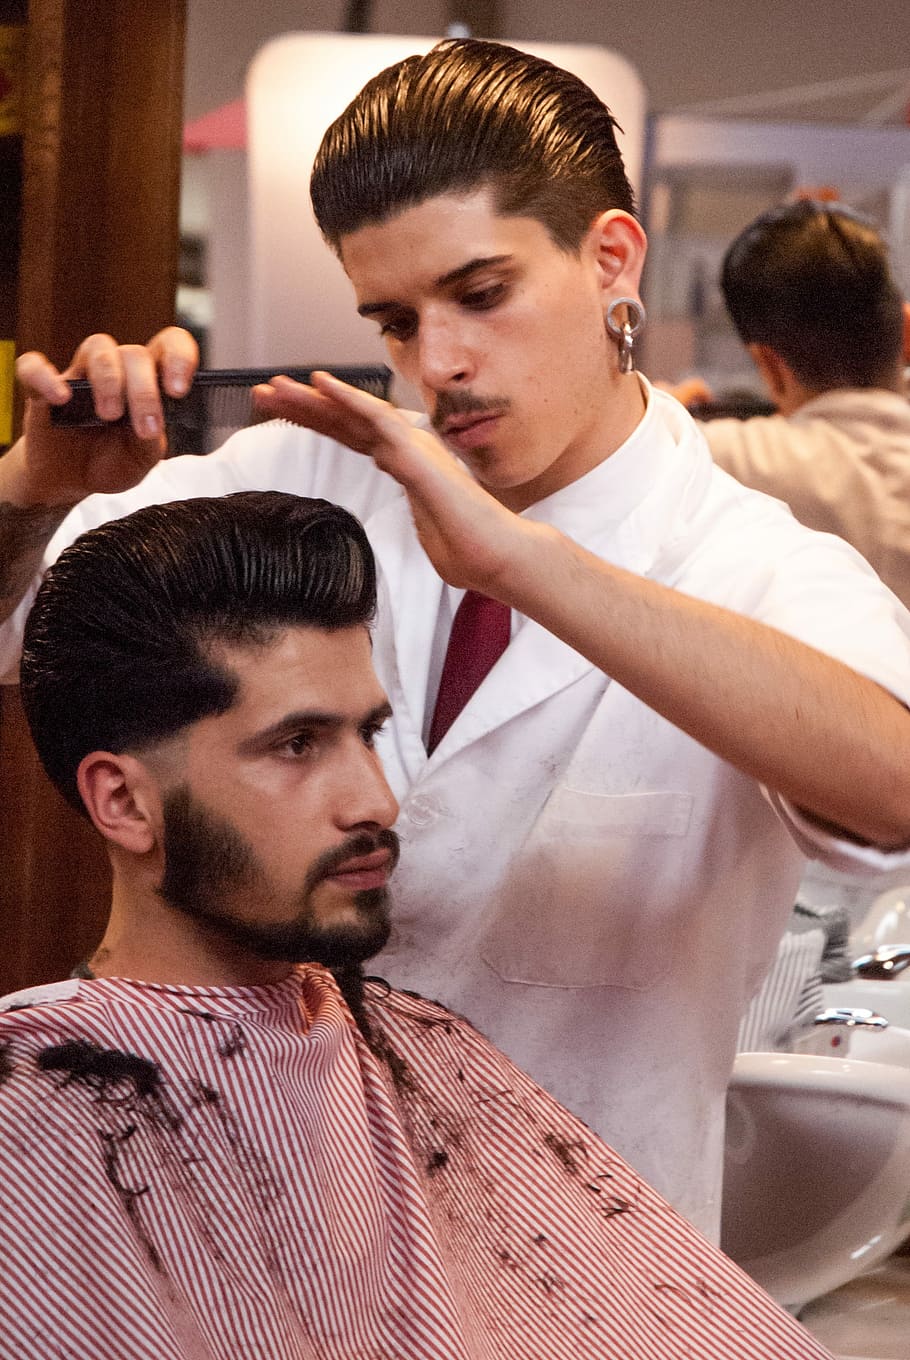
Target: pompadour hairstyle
[[469, 115], [118, 645], [813, 282]]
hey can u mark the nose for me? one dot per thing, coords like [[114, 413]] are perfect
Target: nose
[[363, 795], [444, 355]]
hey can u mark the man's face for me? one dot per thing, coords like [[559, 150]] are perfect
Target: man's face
[[277, 813], [501, 330]]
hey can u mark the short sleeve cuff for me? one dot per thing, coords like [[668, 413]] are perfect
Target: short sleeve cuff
[[844, 855]]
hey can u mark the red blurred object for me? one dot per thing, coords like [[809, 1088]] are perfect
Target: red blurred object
[[222, 129], [821, 193]]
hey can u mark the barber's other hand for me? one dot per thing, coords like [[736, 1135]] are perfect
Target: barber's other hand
[[468, 536], [59, 466]]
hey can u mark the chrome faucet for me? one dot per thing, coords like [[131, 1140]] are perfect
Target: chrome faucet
[[883, 963]]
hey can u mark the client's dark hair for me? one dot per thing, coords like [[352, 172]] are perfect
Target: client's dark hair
[[118, 645], [813, 282], [467, 115]]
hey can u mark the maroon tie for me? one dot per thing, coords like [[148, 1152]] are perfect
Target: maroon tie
[[480, 635]]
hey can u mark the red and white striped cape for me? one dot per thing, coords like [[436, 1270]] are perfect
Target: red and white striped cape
[[235, 1174]]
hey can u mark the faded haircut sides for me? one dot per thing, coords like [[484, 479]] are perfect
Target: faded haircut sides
[[117, 649]]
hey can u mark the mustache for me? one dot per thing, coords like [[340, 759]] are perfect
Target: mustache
[[363, 843], [463, 403]]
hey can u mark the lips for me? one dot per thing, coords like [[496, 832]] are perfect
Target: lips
[[367, 871], [471, 432]]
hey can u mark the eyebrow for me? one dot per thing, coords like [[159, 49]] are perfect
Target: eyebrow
[[312, 720], [443, 281]]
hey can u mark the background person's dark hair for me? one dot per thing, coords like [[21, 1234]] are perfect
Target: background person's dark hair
[[813, 282], [117, 651], [467, 115]]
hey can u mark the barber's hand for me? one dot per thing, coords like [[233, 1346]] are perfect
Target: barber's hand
[[468, 536], [59, 466]]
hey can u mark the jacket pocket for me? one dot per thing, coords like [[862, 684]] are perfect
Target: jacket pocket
[[597, 894]]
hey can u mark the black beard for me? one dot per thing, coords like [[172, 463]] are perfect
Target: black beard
[[207, 861]]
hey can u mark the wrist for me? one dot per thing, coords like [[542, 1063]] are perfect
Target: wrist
[[21, 485], [524, 550]]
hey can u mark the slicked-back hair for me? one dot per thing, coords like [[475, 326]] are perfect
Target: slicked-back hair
[[118, 645], [465, 116], [813, 281]]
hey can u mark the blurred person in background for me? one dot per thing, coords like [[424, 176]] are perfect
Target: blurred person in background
[[810, 290], [220, 1140]]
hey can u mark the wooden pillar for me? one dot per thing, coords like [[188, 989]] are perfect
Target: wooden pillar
[[98, 245], [101, 191]]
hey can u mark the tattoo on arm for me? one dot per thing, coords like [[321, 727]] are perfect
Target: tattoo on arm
[[24, 532]]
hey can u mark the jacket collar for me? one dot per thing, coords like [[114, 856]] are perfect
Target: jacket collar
[[631, 510]]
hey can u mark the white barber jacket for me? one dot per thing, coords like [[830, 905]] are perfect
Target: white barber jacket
[[592, 888]]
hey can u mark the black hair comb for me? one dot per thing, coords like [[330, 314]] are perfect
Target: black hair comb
[[219, 402]]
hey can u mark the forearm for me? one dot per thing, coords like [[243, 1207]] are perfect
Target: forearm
[[832, 742], [27, 522]]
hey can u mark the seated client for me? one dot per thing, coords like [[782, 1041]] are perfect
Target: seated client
[[223, 1141]]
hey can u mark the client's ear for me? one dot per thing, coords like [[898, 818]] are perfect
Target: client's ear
[[121, 797]]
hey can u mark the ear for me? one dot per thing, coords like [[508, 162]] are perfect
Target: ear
[[775, 372], [122, 798], [907, 333], [786, 390], [619, 245]]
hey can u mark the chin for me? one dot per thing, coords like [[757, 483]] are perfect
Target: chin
[[344, 938], [345, 949]]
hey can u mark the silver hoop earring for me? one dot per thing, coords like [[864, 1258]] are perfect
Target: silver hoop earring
[[626, 332]]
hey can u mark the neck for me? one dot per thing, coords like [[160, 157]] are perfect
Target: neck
[[150, 941], [615, 416]]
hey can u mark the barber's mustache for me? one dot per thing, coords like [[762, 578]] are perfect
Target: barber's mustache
[[355, 847], [460, 402]]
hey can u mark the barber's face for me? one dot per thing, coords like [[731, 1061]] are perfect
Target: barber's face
[[277, 831], [502, 332]]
